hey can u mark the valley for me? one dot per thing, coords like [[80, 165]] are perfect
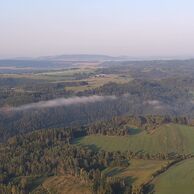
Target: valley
[[96, 127]]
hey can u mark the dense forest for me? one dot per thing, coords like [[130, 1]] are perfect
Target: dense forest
[[135, 98]]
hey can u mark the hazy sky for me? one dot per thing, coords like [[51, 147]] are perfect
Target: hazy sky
[[138, 28]]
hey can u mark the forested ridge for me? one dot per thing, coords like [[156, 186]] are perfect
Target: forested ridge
[[135, 98]]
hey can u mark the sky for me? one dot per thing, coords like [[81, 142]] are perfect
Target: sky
[[136, 28]]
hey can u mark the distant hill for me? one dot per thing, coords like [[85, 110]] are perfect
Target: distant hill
[[81, 57], [28, 65]]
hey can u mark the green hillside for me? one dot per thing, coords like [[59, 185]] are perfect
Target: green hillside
[[167, 138], [179, 179], [138, 172]]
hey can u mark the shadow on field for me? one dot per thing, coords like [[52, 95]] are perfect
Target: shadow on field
[[116, 171], [130, 180], [149, 189], [134, 131]]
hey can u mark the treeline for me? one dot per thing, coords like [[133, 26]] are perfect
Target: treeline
[[129, 125]]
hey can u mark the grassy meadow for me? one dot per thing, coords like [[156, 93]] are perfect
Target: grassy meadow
[[167, 138], [179, 179], [138, 172], [85, 74]]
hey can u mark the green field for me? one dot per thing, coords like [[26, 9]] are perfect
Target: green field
[[63, 75], [95, 82], [179, 179], [138, 172], [93, 79], [167, 138]]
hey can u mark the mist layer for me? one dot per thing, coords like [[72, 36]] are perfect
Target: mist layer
[[60, 102]]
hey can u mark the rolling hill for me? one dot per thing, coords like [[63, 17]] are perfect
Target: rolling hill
[[166, 139]]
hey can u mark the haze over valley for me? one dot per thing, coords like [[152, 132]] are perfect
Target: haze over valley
[[97, 97]]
